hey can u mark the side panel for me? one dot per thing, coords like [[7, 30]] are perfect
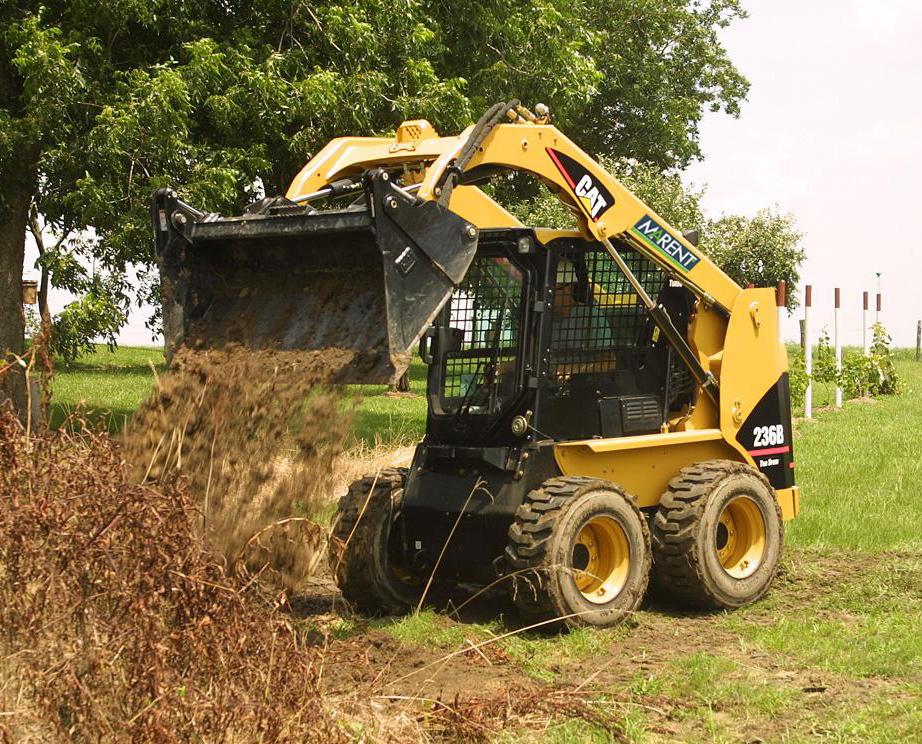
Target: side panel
[[644, 471], [765, 434], [755, 401]]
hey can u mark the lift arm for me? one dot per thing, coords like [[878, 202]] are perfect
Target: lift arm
[[608, 209]]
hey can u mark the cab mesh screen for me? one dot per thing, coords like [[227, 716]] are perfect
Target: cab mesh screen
[[486, 315], [599, 324]]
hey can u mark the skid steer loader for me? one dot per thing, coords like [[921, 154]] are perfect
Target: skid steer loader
[[600, 399]]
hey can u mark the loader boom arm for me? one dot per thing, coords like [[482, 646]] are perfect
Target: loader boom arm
[[606, 208]]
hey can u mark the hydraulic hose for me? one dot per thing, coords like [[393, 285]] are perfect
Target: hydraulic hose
[[494, 115]]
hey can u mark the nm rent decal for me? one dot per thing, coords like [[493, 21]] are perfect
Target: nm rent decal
[[651, 232]]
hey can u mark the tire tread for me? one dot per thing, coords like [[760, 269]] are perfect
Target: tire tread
[[677, 567]]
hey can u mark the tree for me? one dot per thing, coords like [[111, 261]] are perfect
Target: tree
[[223, 99], [627, 79], [764, 249], [662, 65]]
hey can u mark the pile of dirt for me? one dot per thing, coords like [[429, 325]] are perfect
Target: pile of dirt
[[116, 624], [255, 436]]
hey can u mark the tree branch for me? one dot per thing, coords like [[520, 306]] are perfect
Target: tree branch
[[36, 229]]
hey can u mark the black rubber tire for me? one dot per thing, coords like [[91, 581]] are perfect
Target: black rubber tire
[[685, 557], [359, 551], [540, 551]]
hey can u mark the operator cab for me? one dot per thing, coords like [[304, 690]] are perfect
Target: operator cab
[[556, 331]]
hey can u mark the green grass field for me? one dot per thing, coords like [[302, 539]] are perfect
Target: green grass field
[[833, 654], [860, 471]]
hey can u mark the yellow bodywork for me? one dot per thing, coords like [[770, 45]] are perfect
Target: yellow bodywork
[[734, 331]]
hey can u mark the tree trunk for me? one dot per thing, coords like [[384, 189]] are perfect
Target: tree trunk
[[17, 185], [14, 212], [36, 229]]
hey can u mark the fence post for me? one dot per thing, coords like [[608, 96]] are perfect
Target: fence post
[[864, 327], [808, 355], [838, 344], [877, 313]]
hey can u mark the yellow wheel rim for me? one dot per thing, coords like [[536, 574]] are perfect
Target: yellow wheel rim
[[601, 559], [740, 537]]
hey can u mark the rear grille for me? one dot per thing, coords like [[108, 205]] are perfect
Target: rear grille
[[641, 414]]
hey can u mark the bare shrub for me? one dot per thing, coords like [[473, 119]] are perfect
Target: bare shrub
[[116, 625]]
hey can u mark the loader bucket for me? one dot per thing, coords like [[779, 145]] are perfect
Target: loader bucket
[[359, 285]]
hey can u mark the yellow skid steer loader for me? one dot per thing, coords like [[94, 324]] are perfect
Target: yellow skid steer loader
[[600, 399]]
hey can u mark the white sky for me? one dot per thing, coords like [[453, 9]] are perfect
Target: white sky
[[832, 132]]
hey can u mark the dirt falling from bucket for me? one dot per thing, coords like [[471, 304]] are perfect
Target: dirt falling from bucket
[[255, 434]]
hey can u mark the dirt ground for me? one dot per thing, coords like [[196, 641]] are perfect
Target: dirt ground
[[668, 675]]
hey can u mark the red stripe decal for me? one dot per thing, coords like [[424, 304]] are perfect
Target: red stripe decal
[[770, 451], [560, 167]]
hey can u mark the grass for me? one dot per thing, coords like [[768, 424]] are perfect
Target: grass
[[432, 630], [708, 682], [860, 472], [867, 627], [560, 732], [109, 386], [393, 420], [543, 659], [539, 656]]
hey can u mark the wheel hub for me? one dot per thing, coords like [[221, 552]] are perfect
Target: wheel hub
[[601, 559], [740, 537]]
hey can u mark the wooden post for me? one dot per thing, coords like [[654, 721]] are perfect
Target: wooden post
[[864, 327], [877, 313], [808, 355], [838, 345]]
